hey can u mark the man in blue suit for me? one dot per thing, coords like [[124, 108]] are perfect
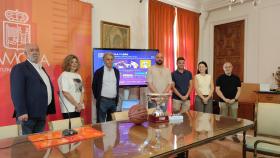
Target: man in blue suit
[[32, 92]]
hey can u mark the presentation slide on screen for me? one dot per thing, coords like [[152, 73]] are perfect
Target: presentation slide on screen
[[132, 64]]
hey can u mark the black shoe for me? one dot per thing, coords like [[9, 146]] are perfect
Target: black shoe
[[235, 139]]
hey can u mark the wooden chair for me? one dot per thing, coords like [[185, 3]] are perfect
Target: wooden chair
[[63, 124], [9, 131], [267, 126], [120, 116], [247, 100]]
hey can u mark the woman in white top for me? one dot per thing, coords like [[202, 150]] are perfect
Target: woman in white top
[[71, 91], [204, 87]]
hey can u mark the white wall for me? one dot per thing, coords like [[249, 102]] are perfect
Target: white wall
[[126, 12], [262, 38]]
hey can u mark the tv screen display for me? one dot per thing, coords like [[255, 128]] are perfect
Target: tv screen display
[[133, 64]]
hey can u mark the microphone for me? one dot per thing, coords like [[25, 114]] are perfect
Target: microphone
[[69, 131]]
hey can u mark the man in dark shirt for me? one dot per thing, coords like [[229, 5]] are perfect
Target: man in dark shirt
[[182, 86], [228, 88]]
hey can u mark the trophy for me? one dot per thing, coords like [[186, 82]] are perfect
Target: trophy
[[154, 141], [159, 100]]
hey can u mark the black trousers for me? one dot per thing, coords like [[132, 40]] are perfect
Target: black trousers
[[71, 114]]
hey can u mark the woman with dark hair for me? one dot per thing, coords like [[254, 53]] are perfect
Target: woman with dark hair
[[204, 88], [71, 88]]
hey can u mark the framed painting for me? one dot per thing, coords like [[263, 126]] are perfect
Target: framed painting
[[114, 35]]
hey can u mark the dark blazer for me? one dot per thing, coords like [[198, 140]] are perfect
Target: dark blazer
[[97, 84], [29, 92]]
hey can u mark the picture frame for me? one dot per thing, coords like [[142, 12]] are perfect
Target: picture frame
[[115, 35]]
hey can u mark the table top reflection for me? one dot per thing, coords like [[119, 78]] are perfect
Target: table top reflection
[[124, 139]]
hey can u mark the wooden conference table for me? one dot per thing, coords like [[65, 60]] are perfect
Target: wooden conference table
[[124, 139]]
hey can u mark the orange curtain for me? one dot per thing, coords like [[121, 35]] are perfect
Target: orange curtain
[[161, 21], [188, 33]]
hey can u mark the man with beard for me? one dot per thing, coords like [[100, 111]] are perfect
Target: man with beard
[[159, 79]]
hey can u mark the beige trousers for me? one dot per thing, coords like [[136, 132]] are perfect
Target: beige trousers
[[179, 106], [229, 109]]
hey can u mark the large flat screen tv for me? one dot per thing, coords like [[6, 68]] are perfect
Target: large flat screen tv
[[133, 64]]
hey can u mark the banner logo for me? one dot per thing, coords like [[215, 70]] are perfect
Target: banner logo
[[16, 30]]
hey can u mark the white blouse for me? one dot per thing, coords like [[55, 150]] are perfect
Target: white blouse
[[204, 83]]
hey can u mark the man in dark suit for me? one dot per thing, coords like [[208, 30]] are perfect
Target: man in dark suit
[[32, 92], [105, 87]]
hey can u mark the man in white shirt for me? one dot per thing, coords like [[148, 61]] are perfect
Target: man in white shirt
[[159, 79], [32, 92], [105, 88]]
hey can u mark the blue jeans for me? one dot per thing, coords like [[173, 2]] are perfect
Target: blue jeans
[[106, 107], [32, 126]]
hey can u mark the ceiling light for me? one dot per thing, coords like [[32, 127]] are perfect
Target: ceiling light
[[240, 2]]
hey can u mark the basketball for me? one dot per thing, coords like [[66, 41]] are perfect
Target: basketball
[[138, 114]]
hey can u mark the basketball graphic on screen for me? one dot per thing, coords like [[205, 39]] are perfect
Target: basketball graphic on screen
[[138, 114]]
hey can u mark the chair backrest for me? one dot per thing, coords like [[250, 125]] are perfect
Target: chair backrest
[[63, 124], [151, 110], [268, 120], [120, 116], [9, 131], [123, 115]]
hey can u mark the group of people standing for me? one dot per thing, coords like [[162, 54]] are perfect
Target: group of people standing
[[33, 93], [181, 83]]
